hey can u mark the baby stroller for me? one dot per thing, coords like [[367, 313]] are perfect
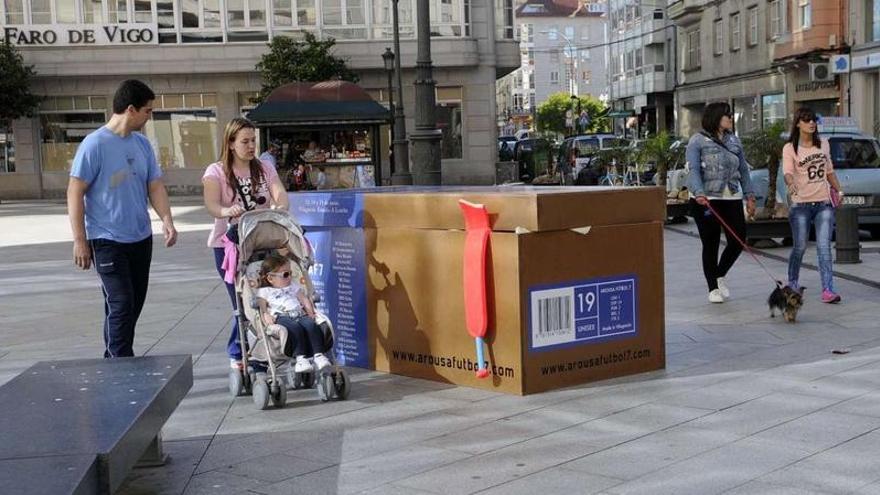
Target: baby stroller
[[261, 232]]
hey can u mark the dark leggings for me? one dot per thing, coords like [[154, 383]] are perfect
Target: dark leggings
[[710, 235], [308, 339]]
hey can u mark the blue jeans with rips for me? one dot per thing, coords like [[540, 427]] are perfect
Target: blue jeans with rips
[[801, 215]]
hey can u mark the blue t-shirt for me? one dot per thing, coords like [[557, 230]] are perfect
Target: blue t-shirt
[[118, 171]]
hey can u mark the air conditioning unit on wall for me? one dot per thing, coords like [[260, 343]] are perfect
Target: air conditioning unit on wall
[[821, 72]]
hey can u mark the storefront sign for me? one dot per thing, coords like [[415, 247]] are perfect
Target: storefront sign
[[808, 87], [80, 34]]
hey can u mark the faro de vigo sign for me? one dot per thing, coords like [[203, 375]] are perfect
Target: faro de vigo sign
[[80, 34]]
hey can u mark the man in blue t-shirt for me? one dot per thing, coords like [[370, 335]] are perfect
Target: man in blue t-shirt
[[114, 176]]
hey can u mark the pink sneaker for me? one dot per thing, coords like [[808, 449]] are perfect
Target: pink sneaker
[[830, 297]]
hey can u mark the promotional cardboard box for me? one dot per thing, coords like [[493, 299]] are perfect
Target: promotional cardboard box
[[574, 281]]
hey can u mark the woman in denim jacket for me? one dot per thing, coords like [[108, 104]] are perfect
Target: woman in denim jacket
[[808, 173], [718, 175]]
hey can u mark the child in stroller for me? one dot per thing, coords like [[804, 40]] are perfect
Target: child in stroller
[[275, 234], [284, 302]]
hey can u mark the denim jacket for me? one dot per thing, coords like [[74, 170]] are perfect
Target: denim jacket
[[712, 167]]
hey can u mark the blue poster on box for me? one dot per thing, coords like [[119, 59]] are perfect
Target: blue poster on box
[[339, 277], [582, 312]]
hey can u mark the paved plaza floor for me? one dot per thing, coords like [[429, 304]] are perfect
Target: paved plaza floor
[[747, 404]]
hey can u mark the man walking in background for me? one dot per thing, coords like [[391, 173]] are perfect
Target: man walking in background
[[114, 176]]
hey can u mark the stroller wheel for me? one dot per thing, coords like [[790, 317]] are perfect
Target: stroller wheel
[[236, 383], [279, 396], [261, 394], [325, 387], [341, 385]]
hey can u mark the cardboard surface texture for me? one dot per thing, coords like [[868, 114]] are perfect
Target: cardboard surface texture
[[574, 284]]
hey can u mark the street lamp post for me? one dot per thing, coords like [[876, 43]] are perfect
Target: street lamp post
[[401, 175], [388, 60], [426, 138]]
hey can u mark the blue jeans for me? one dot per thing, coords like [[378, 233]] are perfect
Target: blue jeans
[[801, 215], [233, 347]]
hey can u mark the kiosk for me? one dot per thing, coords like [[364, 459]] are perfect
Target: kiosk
[[329, 133]]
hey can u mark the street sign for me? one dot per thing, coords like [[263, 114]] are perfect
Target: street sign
[[840, 64]]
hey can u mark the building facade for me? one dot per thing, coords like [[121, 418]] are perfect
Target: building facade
[[726, 52], [199, 58], [562, 49], [864, 33], [641, 57]]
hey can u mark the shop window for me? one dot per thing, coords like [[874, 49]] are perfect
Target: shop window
[[61, 134], [745, 115], [772, 109], [448, 113], [64, 122], [14, 11], [7, 150], [183, 138]]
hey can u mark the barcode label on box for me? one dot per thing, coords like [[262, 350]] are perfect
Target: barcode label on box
[[587, 311]]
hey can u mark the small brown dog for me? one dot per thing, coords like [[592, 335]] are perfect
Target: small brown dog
[[787, 300]]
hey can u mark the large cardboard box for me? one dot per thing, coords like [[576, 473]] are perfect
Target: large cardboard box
[[575, 282]]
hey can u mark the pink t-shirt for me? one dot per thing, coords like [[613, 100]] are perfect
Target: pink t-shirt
[[810, 168], [254, 197]]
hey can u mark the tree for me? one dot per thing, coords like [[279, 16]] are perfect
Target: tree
[[551, 113], [16, 99], [290, 60], [763, 149]]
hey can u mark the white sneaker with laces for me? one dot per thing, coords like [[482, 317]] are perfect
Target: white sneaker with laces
[[302, 365], [725, 292], [321, 362], [715, 296]]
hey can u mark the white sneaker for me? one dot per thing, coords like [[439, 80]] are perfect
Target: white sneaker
[[715, 296], [321, 362], [723, 287], [302, 365]]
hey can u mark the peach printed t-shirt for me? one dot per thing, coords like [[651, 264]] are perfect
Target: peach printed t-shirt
[[252, 195], [810, 168]]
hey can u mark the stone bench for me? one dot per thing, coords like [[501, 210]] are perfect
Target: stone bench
[[80, 426]]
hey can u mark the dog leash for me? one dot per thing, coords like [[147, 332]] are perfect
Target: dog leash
[[743, 244]]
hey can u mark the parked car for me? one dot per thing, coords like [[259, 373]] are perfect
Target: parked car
[[856, 159], [533, 157], [578, 151], [505, 148]]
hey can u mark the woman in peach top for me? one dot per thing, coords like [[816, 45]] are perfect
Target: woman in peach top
[[808, 171]]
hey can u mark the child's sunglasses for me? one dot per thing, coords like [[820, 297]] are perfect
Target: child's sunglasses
[[282, 274]]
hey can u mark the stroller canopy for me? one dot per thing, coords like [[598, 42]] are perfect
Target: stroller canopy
[[271, 229]]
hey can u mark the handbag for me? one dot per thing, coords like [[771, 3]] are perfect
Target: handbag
[[834, 195]]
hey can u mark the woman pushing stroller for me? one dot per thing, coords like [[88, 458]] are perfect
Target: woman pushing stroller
[[284, 302]]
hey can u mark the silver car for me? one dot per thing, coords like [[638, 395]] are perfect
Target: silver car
[[856, 159]]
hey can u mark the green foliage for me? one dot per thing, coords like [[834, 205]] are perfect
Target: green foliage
[[616, 157], [763, 149], [551, 113], [16, 99], [290, 60], [658, 150]]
